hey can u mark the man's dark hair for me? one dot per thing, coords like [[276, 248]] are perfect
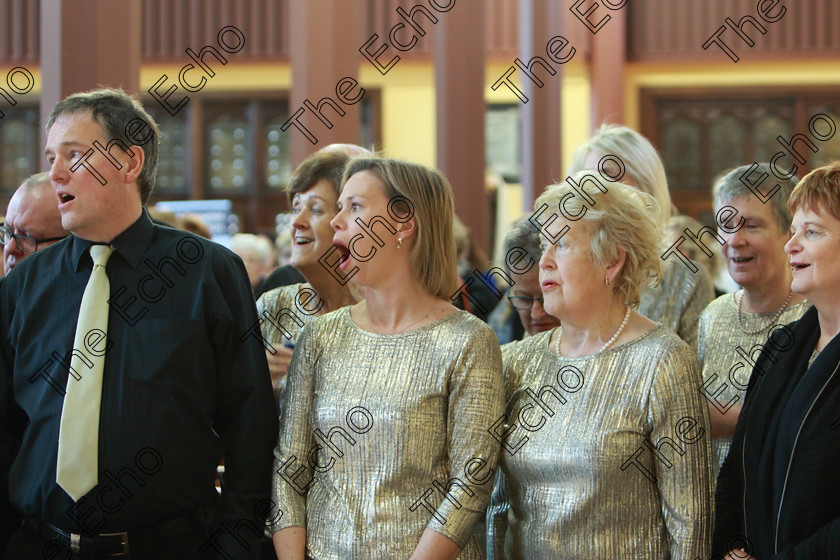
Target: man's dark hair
[[119, 114], [320, 165]]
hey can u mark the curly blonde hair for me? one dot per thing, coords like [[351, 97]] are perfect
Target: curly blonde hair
[[622, 217]]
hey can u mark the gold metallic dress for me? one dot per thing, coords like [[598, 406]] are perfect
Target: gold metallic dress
[[679, 299], [719, 337], [385, 423], [583, 480]]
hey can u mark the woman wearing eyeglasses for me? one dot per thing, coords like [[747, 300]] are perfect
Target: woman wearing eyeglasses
[[522, 312]]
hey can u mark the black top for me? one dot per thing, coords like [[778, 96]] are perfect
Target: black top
[[285, 275], [179, 387], [778, 492]]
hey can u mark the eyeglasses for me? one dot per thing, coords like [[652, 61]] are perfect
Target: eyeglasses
[[524, 302], [25, 242]]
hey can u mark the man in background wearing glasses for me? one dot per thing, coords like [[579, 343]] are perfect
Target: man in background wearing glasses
[[32, 221]]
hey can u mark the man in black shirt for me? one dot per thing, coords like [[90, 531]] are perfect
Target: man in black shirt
[[179, 387]]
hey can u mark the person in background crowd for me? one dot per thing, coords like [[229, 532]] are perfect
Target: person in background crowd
[[119, 459], [284, 274], [255, 252], [163, 217], [427, 374], [778, 494], [475, 297], [675, 228], [682, 295], [32, 221], [283, 246], [194, 224], [521, 314], [755, 257], [607, 382], [270, 235]]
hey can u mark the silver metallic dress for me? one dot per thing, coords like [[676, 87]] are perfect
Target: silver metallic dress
[[604, 456], [285, 312], [719, 337], [386, 423], [679, 299]]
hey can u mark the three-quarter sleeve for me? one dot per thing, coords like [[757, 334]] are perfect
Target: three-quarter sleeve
[[292, 476], [679, 423], [475, 403]]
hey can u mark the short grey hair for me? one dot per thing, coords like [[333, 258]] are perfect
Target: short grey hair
[[38, 179], [732, 187], [522, 235], [260, 246]]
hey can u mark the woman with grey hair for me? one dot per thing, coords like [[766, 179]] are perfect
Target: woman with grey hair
[[754, 251], [683, 294], [610, 460], [777, 495]]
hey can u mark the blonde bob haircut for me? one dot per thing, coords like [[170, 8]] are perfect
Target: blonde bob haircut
[[641, 161], [622, 217], [819, 190], [433, 260]]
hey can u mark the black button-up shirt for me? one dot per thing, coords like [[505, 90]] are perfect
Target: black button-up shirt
[[180, 388]]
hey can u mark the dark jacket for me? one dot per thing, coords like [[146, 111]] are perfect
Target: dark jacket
[[778, 493]]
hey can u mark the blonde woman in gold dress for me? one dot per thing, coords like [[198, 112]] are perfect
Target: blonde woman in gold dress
[[682, 294], [734, 328], [384, 449], [605, 449]]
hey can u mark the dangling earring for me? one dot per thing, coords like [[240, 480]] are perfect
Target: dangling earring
[[607, 281], [399, 242]]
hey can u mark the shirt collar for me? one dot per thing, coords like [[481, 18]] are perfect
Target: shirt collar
[[131, 243]]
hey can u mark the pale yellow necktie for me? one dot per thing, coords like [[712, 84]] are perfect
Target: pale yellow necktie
[[78, 437]]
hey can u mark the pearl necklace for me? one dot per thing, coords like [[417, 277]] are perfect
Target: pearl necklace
[[609, 342], [772, 321]]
